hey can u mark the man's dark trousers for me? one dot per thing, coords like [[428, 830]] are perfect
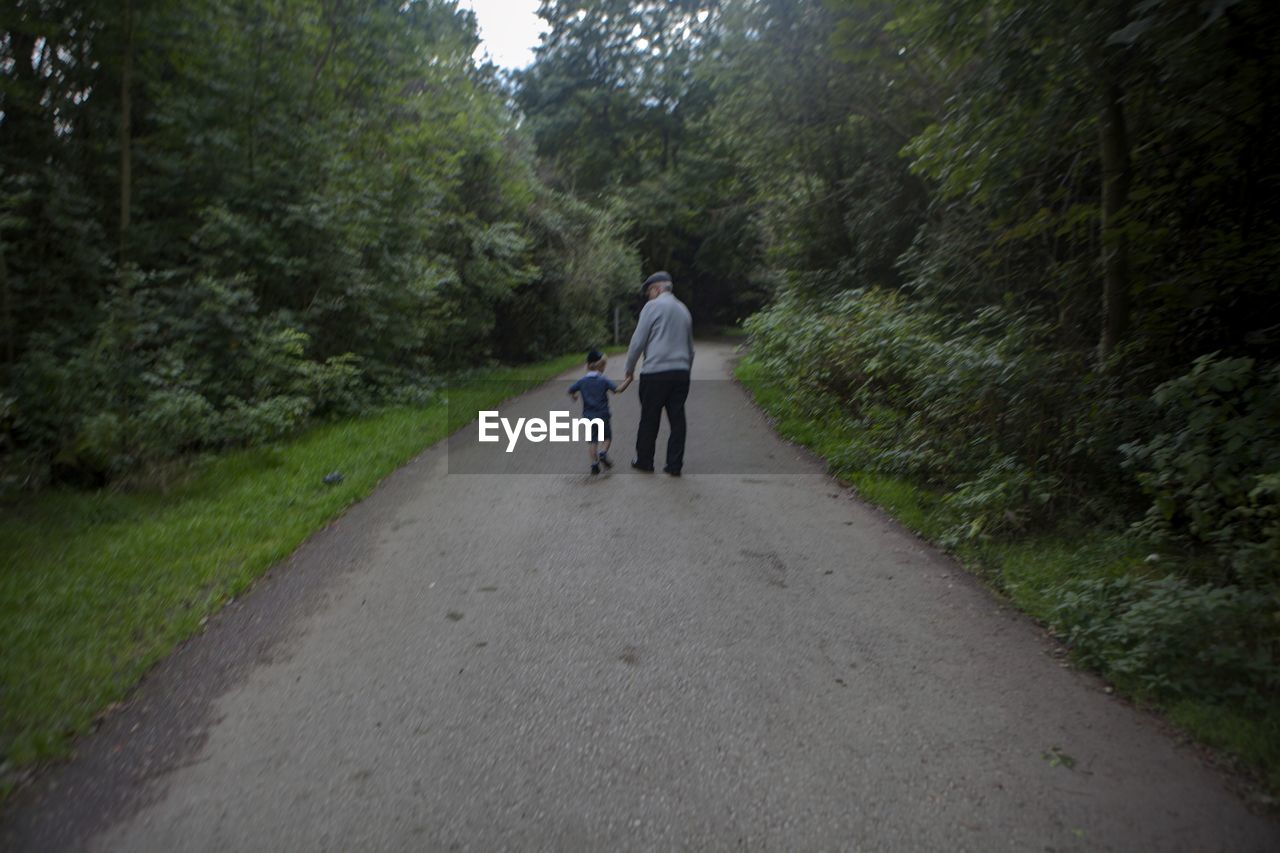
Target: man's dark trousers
[[668, 390]]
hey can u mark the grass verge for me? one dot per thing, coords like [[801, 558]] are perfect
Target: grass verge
[[95, 588], [1030, 570]]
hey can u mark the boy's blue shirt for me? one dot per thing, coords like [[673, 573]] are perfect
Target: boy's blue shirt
[[594, 388]]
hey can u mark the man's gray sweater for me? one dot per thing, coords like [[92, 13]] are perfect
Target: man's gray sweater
[[664, 334]]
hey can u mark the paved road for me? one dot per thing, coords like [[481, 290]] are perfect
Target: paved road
[[743, 658]]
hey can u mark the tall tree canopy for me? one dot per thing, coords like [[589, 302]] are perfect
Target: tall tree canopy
[[219, 218], [997, 230], [618, 104]]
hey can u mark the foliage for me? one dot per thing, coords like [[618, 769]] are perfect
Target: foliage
[[586, 267], [219, 220], [617, 105], [1213, 471], [611, 84], [977, 407], [1172, 640]]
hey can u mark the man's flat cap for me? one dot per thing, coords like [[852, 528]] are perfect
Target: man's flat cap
[[656, 278]]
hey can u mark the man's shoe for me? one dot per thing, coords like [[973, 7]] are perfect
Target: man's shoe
[[674, 472], [635, 463]]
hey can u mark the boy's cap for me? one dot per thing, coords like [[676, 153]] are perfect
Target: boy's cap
[[659, 276], [594, 355]]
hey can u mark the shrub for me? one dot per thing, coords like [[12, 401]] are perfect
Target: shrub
[[1172, 640], [256, 422], [1003, 499], [979, 407], [144, 391], [173, 420], [1213, 470]]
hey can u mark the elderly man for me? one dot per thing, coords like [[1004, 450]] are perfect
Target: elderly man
[[664, 336]]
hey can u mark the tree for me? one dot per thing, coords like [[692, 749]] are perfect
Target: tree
[[220, 219]]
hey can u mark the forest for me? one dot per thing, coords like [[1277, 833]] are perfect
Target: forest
[[223, 219], [1018, 255]]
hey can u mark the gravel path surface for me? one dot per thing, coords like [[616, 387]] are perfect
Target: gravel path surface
[[745, 657]]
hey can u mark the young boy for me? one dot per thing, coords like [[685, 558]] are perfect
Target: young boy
[[595, 388]]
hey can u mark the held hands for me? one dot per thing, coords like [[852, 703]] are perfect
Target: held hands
[[622, 387]]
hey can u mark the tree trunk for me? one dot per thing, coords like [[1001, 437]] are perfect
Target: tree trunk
[[126, 131], [1113, 149]]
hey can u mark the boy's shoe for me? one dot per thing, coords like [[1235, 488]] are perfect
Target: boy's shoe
[[635, 463], [595, 469], [604, 460]]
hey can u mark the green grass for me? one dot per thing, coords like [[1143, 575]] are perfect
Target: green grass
[[95, 588], [828, 433], [1252, 741], [1029, 570]]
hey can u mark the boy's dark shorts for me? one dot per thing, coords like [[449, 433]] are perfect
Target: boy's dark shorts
[[593, 434]]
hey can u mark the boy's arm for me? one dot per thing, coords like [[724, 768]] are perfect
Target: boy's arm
[[573, 390]]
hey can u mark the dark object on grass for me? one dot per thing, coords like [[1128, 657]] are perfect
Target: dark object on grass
[[333, 478]]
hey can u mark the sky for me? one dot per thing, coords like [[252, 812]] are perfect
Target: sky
[[509, 30]]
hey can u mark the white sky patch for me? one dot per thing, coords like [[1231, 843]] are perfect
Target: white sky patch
[[509, 30]]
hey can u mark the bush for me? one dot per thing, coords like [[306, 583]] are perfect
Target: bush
[[1003, 499], [173, 420], [1171, 640], [1213, 471], [257, 422], [979, 407], [174, 367]]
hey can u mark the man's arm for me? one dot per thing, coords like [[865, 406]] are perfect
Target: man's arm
[[691, 343], [640, 339]]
